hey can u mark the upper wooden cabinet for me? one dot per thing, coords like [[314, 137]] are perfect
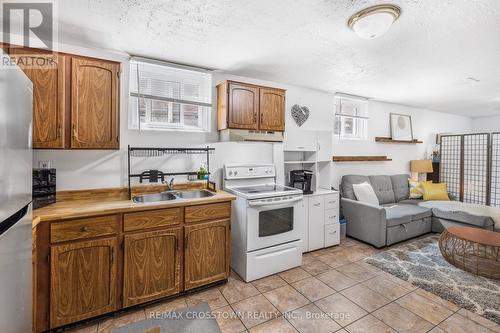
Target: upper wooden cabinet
[[83, 280], [49, 91], [94, 104], [251, 107], [75, 100], [272, 109]]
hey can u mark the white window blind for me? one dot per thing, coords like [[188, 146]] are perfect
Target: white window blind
[[169, 97], [351, 117]]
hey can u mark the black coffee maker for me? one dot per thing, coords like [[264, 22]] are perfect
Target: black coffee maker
[[301, 179]]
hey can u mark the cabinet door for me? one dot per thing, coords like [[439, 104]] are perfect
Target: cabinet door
[[48, 95], [151, 266], [94, 104], [316, 223], [272, 110], [83, 280], [325, 153], [206, 253], [243, 106]]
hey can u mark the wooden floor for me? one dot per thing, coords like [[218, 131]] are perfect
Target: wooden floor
[[333, 291]]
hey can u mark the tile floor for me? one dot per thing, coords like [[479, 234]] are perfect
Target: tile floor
[[333, 291]]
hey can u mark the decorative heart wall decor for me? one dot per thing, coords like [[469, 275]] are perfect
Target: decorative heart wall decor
[[300, 114]]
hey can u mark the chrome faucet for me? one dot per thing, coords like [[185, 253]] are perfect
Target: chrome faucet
[[170, 184]]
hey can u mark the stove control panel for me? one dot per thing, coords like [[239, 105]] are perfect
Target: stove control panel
[[247, 171]]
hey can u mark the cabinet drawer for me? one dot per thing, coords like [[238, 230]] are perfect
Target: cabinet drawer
[[84, 228], [208, 212], [331, 216], [332, 201], [152, 219], [332, 234]]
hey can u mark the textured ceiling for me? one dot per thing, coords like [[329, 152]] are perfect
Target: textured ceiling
[[441, 54]]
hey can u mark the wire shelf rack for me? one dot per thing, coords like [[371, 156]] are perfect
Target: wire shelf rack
[[153, 176]]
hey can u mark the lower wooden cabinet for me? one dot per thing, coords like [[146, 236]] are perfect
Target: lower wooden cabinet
[[152, 265], [206, 254], [101, 264], [83, 280]]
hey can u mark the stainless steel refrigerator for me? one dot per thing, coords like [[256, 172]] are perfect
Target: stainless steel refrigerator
[[16, 102]]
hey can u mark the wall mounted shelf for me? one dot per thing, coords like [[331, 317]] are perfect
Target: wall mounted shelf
[[361, 159], [390, 140]]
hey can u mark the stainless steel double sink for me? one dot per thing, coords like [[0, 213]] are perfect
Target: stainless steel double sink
[[172, 195]]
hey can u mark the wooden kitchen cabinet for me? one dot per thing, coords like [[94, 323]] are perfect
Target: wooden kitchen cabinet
[[206, 253], [272, 109], [250, 107], [83, 280], [49, 93], [93, 265], [94, 104], [244, 106], [152, 265], [75, 99]]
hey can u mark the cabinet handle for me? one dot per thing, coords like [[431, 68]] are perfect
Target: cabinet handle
[[84, 228], [74, 131], [185, 243], [300, 147], [332, 202], [317, 204], [255, 117], [331, 217], [333, 233], [261, 117]]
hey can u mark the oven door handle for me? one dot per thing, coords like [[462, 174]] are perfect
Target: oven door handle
[[273, 203]]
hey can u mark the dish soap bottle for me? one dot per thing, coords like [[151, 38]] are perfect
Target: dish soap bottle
[[202, 172]]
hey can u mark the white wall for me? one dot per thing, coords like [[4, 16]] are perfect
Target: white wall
[[93, 169], [486, 124]]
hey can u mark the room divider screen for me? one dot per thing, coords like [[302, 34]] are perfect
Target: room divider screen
[[470, 165], [495, 169]]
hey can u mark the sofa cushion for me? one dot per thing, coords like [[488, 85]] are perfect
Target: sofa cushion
[[400, 213], [463, 217], [364, 193], [346, 189], [411, 201], [382, 185], [400, 187]]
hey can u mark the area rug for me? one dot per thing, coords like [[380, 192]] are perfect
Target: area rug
[[194, 319], [420, 262]]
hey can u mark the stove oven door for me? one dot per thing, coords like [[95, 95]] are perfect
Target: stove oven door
[[272, 222]]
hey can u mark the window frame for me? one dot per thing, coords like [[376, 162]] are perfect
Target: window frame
[[136, 116], [359, 120]]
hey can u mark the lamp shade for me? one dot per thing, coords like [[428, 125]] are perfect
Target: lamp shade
[[421, 166]]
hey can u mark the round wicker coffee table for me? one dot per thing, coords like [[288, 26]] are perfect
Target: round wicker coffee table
[[474, 250]]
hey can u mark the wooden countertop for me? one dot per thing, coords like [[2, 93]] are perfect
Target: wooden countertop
[[110, 204]]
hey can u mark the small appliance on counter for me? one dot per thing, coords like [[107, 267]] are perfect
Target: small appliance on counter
[[301, 179], [44, 187]]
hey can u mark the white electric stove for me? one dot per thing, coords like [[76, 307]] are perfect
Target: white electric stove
[[265, 230]]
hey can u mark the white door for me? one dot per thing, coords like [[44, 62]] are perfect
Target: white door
[[325, 153], [316, 223]]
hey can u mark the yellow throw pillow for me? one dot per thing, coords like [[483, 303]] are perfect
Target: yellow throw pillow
[[435, 191], [416, 190]]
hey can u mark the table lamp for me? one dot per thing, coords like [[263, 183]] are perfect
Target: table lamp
[[417, 167]]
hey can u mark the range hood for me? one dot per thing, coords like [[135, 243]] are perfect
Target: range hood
[[250, 135]]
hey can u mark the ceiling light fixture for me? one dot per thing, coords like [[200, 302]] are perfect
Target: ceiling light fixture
[[373, 22]]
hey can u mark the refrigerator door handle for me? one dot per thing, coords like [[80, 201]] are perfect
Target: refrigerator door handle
[[12, 220]]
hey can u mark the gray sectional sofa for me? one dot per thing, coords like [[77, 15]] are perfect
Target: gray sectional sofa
[[397, 218]]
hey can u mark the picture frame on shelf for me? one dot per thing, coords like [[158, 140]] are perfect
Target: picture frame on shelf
[[401, 127]]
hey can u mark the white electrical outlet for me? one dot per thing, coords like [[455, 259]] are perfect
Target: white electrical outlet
[[44, 164]]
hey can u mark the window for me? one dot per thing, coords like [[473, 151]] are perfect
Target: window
[[351, 117], [169, 97]]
